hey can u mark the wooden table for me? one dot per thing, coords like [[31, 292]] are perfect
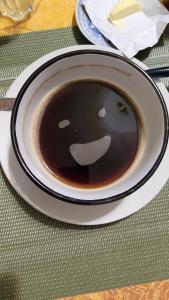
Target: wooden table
[[150, 291]]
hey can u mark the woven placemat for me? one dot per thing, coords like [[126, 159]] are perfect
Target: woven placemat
[[44, 259]]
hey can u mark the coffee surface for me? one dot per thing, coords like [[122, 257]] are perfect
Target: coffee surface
[[89, 133], [166, 3]]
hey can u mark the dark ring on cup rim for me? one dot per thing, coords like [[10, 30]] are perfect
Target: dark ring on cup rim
[[42, 185]]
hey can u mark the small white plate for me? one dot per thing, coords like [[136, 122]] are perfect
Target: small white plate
[[88, 29], [57, 209]]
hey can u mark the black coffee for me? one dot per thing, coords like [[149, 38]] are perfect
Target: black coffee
[[89, 133], [166, 3]]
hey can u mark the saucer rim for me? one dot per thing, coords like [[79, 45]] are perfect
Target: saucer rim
[[84, 32]]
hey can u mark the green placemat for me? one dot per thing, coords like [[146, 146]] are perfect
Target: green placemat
[[44, 259]]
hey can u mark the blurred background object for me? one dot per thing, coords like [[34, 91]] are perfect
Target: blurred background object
[[16, 10]]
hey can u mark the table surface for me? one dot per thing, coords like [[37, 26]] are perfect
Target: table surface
[[60, 14], [150, 291]]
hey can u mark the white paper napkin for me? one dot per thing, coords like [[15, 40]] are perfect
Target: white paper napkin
[[133, 33]]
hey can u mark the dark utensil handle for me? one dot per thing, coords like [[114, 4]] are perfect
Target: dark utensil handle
[[6, 104], [158, 72]]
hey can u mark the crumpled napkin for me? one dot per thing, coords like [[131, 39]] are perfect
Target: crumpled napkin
[[133, 33]]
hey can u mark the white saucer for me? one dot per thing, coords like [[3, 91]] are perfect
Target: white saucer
[[57, 209], [88, 29]]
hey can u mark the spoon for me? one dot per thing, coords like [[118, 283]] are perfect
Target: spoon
[[6, 104]]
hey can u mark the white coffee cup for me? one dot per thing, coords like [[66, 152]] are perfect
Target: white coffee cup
[[98, 65]]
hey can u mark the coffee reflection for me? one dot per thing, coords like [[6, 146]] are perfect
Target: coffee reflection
[[89, 133]]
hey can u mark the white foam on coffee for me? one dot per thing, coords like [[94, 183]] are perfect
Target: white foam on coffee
[[63, 123], [89, 153], [102, 112]]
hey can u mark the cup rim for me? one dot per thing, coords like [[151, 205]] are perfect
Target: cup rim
[[36, 180]]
